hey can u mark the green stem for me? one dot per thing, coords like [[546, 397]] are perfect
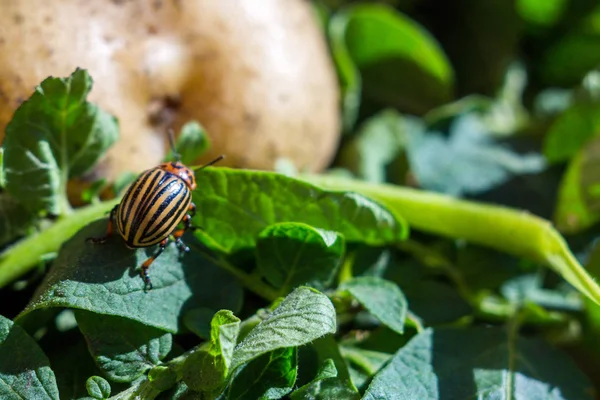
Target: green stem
[[512, 231], [27, 253]]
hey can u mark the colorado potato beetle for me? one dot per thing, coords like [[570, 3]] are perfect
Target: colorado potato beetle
[[153, 208]]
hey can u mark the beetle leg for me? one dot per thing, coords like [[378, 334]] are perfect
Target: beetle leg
[[146, 264], [181, 246], [187, 223], [191, 213], [109, 228]]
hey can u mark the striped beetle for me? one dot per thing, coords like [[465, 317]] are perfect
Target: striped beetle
[[153, 207]]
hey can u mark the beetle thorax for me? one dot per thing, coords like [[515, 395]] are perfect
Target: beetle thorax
[[180, 170]]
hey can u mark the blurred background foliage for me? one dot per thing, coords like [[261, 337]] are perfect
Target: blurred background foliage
[[494, 100]]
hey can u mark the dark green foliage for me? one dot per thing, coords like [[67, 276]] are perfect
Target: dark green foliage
[[319, 286]]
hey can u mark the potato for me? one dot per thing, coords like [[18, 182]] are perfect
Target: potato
[[257, 75]]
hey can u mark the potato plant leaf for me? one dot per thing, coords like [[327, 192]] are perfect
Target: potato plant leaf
[[123, 349], [206, 369], [363, 364], [543, 13], [24, 369], [468, 161], [571, 130], [53, 136], [377, 144], [290, 254], [348, 74], [489, 363], [105, 279], [382, 298], [400, 63], [14, 218], [303, 316], [327, 348], [234, 206], [269, 377], [72, 381], [198, 321], [326, 385], [578, 204], [224, 330], [425, 292], [98, 387]]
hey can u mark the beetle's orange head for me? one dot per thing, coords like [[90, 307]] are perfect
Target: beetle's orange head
[[183, 172]]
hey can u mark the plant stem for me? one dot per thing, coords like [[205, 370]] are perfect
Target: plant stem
[[512, 231], [29, 252]]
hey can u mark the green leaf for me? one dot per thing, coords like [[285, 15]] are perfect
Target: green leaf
[[571, 130], [578, 205], [204, 372], [573, 54], [290, 254], [326, 385], [327, 370], [53, 136], [234, 206], [24, 369], [399, 62], [207, 368], [191, 143], [383, 299], [303, 316], [15, 220], [224, 330], [528, 289], [348, 73], [72, 381], [123, 349], [468, 161], [29, 252], [198, 321], [363, 364], [270, 376], [327, 348], [163, 378], [489, 363], [376, 146], [544, 13], [98, 387], [104, 279], [425, 292]]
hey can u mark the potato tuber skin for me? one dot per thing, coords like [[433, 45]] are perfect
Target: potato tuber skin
[[258, 78]]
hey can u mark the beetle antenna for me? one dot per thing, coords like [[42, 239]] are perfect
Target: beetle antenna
[[172, 141], [216, 160]]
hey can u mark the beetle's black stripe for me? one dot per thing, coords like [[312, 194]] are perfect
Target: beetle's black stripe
[[150, 203], [167, 224], [160, 177], [156, 223], [152, 212], [173, 217], [133, 198], [134, 192]]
